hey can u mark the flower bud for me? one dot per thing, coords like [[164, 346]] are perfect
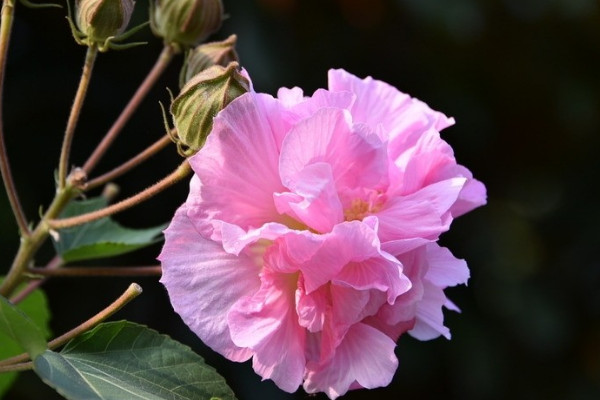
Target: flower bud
[[185, 22], [206, 55], [200, 101], [99, 20]]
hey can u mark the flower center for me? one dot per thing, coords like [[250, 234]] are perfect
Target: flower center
[[360, 208]]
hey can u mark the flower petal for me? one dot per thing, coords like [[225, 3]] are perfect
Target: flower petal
[[267, 323], [429, 323], [445, 269], [204, 282], [314, 200], [237, 166], [370, 368], [423, 214], [378, 103], [357, 157]]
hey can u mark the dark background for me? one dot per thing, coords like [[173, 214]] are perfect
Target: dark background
[[521, 77]]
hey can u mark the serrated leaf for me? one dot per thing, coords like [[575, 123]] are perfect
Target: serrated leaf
[[123, 360], [100, 238], [15, 324], [36, 307]]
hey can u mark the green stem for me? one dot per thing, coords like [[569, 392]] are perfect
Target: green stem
[[6, 22], [63, 165], [131, 293], [161, 64], [182, 171], [97, 271], [30, 244], [135, 161]]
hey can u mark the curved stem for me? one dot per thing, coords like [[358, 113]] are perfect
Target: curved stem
[[63, 165], [97, 271], [135, 161], [144, 195], [161, 64], [131, 293], [8, 11]]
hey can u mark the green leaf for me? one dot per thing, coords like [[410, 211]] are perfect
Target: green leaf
[[15, 324], [36, 307], [100, 238], [123, 360]]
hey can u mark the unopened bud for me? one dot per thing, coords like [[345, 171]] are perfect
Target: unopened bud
[[185, 23], [206, 55], [100, 20], [200, 101]]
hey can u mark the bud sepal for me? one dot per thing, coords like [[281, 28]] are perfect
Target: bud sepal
[[185, 23], [200, 100], [102, 23], [206, 55]]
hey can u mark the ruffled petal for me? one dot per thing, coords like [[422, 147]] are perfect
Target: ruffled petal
[[473, 195], [237, 166], [267, 323], [357, 158], [203, 282], [402, 118], [404, 309], [382, 274], [423, 214], [445, 269], [352, 363], [429, 323], [313, 200], [289, 97]]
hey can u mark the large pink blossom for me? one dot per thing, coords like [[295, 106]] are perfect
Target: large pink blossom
[[308, 239]]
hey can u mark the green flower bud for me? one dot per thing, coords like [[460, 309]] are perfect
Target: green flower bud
[[99, 20], [200, 101], [206, 55], [185, 23]]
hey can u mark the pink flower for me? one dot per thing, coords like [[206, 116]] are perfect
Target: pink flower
[[308, 239]]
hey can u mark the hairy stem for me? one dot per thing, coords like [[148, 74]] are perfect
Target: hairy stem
[[97, 271], [63, 165], [161, 64], [182, 171], [131, 293], [6, 22], [31, 243], [125, 167]]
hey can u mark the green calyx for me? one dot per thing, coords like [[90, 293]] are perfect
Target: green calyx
[[206, 55], [102, 23], [185, 23], [200, 100]]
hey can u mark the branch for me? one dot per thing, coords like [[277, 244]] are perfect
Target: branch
[[161, 64], [135, 161], [63, 165], [131, 293], [144, 195], [9, 184], [97, 271]]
